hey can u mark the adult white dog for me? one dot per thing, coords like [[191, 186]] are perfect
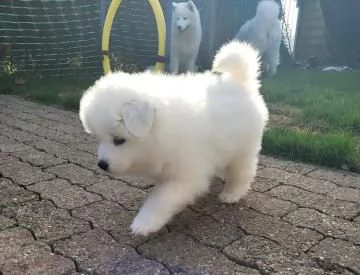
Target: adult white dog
[[263, 31], [186, 34], [181, 129]]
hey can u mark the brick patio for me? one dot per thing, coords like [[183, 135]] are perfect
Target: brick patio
[[59, 214]]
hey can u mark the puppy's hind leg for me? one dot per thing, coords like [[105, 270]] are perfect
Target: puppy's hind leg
[[165, 201], [240, 173]]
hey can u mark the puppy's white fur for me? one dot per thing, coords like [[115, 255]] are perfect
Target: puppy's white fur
[[186, 34], [263, 31], [182, 129]]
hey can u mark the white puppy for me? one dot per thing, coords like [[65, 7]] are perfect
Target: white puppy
[[182, 129], [186, 34], [264, 32]]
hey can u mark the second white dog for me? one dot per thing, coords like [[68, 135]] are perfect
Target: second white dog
[[186, 34], [182, 129], [263, 31]]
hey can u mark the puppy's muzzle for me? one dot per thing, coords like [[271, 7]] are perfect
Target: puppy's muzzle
[[103, 165]]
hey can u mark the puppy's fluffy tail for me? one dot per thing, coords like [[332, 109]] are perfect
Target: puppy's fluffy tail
[[268, 9], [239, 61]]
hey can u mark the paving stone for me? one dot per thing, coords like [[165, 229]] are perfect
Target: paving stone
[[183, 255], [20, 254], [64, 117], [43, 120], [38, 158], [97, 253], [46, 221], [299, 168], [67, 152], [322, 203], [11, 193], [23, 173], [208, 205], [4, 138], [14, 237], [307, 183], [66, 128], [5, 159], [268, 161], [337, 252], [339, 177], [87, 146], [50, 146], [9, 146], [269, 257], [25, 115], [130, 197], [81, 158], [327, 225], [139, 182], [76, 174], [64, 194], [297, 239], [296, 195], [346, 194], [111, 217], [205, 229], [268, 205], [18, 135], [290, 166], [262, 184], [51, 134], [6, 223], [21, 125]]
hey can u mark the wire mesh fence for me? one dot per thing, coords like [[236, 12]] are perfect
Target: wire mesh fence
[[51, 37]]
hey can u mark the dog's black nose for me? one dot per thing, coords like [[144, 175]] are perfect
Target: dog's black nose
[[103, 165], [179, 28]]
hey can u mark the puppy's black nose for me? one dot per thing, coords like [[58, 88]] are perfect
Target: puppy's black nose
[[103, 165], [179, 28]]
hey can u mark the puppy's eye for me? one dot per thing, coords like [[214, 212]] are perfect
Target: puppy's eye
[[185, 18], [118, 141]]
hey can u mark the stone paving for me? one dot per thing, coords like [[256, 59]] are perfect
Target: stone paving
[[60, 215]]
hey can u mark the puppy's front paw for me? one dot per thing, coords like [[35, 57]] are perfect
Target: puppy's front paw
[[144, 225], [226, 197]]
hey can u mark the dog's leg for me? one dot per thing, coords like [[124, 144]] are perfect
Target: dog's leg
[[174, 64], [191, 66], [273, 64], [272, 56], [240, 174], [166, 201]]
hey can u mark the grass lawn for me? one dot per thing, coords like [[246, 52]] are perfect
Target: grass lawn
[[315, 116]]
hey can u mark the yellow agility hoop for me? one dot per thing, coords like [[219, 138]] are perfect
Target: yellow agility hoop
[[161, 29]]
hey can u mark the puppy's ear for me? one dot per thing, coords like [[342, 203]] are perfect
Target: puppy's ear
[[191, 5], [138, 117], [174, 5]]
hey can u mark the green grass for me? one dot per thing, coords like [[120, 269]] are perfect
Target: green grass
[[315, 116], [62, 92]]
